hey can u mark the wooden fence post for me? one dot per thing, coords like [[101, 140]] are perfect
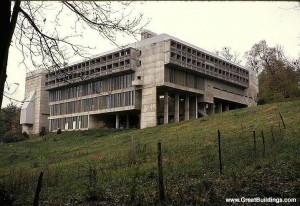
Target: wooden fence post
[[220, 152], [263, 140], [279, 127], [160, 173], [282, 120], [272, 135], [38, 190], [254, 145]]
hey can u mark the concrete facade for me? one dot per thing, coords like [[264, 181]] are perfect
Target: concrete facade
[[157, 80], [35, 109]]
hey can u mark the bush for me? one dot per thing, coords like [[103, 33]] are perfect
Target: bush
[[25, 135], [58, 131], [101, 125], [42, 132], [11, 136]]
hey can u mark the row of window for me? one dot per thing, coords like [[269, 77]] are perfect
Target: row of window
[[97, 87], [183, 78], [92, 104], [200, 63], [68, 123], [196, 53], [84, 74], [102, 59], [218, 71]]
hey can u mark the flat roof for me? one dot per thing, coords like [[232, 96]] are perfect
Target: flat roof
[[164, 37], [156, 39]]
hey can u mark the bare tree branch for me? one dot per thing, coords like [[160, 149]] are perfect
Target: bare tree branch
[[44, 44], [230, 55]]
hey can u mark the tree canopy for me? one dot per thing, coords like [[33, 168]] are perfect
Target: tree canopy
[[278, 76], [10, 120]]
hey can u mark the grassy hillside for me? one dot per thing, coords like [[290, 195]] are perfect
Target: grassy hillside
[[120, 167]]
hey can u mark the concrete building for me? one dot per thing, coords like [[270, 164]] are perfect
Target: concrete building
[[157, 80], [35, 109]]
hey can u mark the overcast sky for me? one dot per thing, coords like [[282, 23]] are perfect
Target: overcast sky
[[209, 25]]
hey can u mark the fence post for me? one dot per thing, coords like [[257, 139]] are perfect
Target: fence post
[[220, 152], [279, 127], [272, 135], [263, 140], [38, 190], [282, 120], [160, 173], [254, 139]]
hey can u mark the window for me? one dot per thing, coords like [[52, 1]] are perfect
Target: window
[[178, 46], [173, 44], [127, 52]]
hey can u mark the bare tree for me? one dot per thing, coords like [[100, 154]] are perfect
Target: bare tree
[[44, 47], [278, 75], [290, 62], [229, 54], [257, 56], [262, 56]]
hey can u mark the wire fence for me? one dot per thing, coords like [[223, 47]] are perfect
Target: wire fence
[[148, 173]]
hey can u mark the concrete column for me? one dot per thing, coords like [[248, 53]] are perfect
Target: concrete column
[[117, 121], [220, 108], [196, 106], [192, 107], [139, 123], [227, 107], [127, 121], [176, 116], [49, 127], [187, 108], [148, 108], [166, 108]]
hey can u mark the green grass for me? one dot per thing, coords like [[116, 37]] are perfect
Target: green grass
[[109, 167]]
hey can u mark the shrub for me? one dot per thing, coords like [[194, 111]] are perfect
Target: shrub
[[101, 125], [25, 135], [11, 136], [100, 130], [58, 131], [42, 132]]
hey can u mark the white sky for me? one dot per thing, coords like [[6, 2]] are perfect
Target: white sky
[[209, 25]]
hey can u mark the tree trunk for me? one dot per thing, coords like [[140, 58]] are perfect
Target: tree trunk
[[4, 25], [7, 25]]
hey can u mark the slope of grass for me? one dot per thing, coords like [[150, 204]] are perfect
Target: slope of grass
[[108, 167]]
